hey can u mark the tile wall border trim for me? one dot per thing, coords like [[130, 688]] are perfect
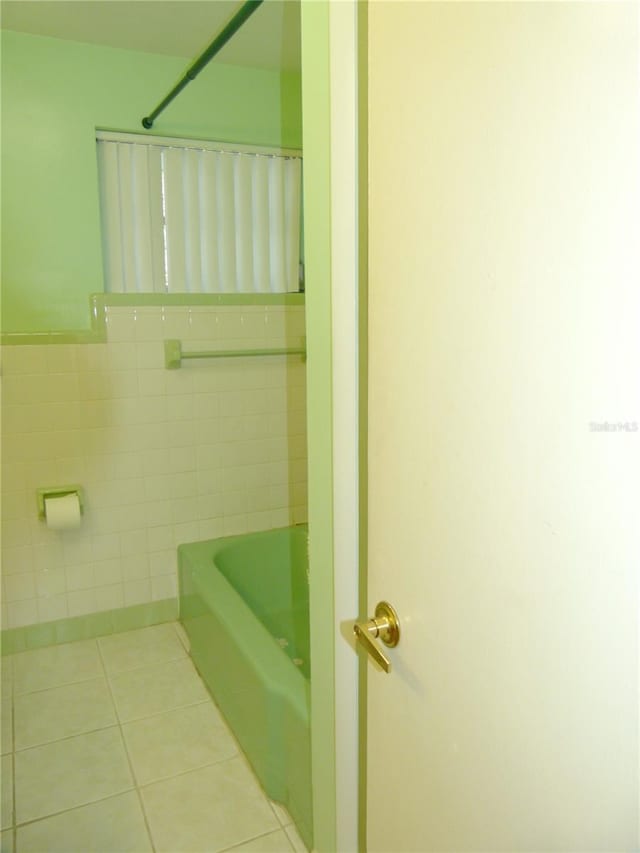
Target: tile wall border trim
[[97, 334], [87, 627]]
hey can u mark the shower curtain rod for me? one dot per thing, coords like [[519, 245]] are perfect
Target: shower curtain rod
[[216, 45]]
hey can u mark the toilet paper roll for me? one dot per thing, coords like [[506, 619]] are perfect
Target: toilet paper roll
[[62, 513]]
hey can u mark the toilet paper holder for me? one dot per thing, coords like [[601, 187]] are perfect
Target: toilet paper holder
[[57, 492]]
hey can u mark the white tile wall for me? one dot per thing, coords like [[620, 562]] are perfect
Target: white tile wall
[[215, 448]]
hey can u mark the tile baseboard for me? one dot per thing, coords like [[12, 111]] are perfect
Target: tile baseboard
[[87, 627]]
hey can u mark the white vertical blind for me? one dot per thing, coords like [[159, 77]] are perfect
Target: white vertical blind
[[276, 219], [174, 219], [193, 251], [185, 219], [292, 182], [225, 214], [244, 223], [260, 212], [209, 231], [131, 202]]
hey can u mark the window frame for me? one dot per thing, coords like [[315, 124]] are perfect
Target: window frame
[[195, 143], [211, 145]]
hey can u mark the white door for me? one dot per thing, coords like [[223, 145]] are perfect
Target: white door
[[503, 425]]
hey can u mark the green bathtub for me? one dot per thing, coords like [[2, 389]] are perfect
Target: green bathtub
[[244, 602]]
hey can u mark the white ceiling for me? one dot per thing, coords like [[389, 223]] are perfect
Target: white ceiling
[[270, 38]]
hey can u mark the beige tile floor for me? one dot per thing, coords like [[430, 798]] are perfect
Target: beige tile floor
[[114, 745]]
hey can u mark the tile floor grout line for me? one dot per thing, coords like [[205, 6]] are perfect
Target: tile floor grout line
[[154, 665], [109, 676], [129, 761], [189, 770], [167, 711], [256, 837], [67, 737], [60, 686], [72, 808], [22, 749], [21, 824], [15, 694], [145, 665], [55, 686], [160, 713], [184, 772]]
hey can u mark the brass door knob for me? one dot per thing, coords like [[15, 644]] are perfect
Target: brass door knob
[[384, 626]]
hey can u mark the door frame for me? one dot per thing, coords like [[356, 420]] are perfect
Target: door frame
[[334, 275]]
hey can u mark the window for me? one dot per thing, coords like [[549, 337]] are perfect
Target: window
[[184, 216]]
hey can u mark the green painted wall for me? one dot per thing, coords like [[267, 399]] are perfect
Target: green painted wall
[[54, 95]]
